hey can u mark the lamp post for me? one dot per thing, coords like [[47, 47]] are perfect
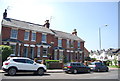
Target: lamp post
[[100, 36]]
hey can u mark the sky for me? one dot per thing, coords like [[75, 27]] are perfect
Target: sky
[[86, 17]]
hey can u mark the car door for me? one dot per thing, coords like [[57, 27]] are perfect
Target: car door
[[83, 67], [20, 63], [103, 67], [30, 65], [80, 67]]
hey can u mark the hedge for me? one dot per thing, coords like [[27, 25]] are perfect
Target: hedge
[[5, 51]]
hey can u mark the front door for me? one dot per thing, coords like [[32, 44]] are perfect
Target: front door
[[25, 52], [32, 52]]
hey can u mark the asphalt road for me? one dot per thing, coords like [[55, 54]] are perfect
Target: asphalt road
[[93, 75]]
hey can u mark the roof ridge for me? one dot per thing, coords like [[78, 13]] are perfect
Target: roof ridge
[[61, 31], [24, 21], [65, 32]]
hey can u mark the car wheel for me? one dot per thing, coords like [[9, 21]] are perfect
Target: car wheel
[[40, 72], [12, 71], [75, 71], [66, 72], [88, 71], [98, 70], [107, 70]]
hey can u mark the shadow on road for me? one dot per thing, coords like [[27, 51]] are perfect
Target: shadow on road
[[28, 75], [80, 73]]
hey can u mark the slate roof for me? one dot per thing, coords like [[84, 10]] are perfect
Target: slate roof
[[61, 34], [9, 22], [25, 25]]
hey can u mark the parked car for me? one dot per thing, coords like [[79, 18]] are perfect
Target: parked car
[[98, 66], [75, 67], [22, 64]]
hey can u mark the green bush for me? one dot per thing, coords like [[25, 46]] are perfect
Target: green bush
[[5, 51], [115, 61], [93, 59], [51, 61]]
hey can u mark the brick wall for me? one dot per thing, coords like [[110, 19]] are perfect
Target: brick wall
[[6, 31], [21, 34], [38, 37], [64, 43]]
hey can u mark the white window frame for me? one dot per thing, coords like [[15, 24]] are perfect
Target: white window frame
[[55, 55], [27, 36], [26, 55], [19, 49], [44, 41], [60, 54], [38, 52], [78, 44], [11, 36], [46, 52], [68, 43], [72, 43], [32, 52], [32, 39], [60, 44]]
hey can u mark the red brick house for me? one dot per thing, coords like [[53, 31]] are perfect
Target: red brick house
[[39, 41]]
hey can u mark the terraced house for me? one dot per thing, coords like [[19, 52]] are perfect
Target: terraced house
[[39, 41]]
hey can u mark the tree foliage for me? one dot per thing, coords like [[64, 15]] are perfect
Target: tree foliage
[[5, 51]]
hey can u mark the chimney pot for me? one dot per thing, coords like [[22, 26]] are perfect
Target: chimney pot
[[47, 24], [74, 32], [5, 14]]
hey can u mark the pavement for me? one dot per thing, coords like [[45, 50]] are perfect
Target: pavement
[[60, 70]]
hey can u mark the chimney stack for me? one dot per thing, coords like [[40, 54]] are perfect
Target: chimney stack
[[5, 14], [74, 32], [47, 24]]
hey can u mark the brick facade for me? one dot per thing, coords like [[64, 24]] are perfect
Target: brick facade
[[32, 49]]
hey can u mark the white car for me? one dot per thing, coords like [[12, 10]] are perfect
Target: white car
[[22, 64]]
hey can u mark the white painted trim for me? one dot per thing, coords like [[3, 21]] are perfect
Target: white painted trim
[[26, 45], [32, 45], [27, 30], [68, 50], [12, 43], [76, 51], [38, 55], [59, 38], [15, 28], [61, 50], [4, 42], [33, 31], [39, 46], [44, 33], [44, 56], [43, 41], [71, 51], [80, 51], [56, 50], [44, 46]]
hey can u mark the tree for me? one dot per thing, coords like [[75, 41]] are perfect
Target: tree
[[5, 51]]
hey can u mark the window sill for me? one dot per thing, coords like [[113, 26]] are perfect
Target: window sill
[[44, 56], [26, 39], [13, 38], [33, 40], [43, 41]]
